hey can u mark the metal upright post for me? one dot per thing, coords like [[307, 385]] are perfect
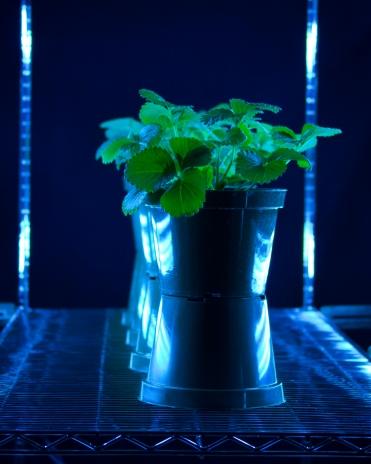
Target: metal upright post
[[24, 195], [309, 241]]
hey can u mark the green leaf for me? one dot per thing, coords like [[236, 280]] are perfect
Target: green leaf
[[184, 114], [149, 134], [319, 131], [199, 156], [291, 155], [310, 132], [150, 113], [198, 131], [110, 149], [209, 175], [183, 145], [220, 133], [283, 130], [192, 152], [239, 106], [133, 200], [216, 114], [187, 195], [264, 140], [253, 168], [266, 107], [153, 97], [126, 153], [222, 106], [121, 127], [234, 136], [150, 168], [249, 136]]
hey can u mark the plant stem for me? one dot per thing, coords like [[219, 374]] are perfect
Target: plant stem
[[178, 168], [173, 155], [229, 165]]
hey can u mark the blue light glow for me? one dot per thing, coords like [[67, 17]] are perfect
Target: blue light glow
[[24, 194], [146, 244], [311, 53], [152, 329], [142, 297], [309, 252], [24, 245], [163, 243], [262, 337], [262, 258], [162, 339], [349, 352], [309, 239], [146, 313], [26, 33]]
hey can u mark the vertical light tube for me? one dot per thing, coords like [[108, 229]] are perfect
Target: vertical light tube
[[24, 173], [310, 176]]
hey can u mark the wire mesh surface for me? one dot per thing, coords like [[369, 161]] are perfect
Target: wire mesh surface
[[65, 371]]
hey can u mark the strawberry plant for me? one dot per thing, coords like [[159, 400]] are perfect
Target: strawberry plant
[[174, 154]]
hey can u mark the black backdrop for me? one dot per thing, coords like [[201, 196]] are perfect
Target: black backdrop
[[91, 57]]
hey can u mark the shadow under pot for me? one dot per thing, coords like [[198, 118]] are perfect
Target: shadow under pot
[[212, 346]]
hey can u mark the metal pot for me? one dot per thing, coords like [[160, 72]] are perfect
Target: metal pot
[[212, 347]]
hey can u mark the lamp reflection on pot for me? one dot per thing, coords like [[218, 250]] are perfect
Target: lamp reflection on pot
[[163, 243], [145, 270], [129, 315], [262, 259], [146, 244], [163, 344], [140, 358], [262, 339], [133, 330]]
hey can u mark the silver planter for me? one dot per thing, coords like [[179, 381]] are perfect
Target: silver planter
[[213, 347], [136, 282], [140, 358], [145, 269]]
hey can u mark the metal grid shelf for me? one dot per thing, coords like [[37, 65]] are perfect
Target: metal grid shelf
[[65, 388]]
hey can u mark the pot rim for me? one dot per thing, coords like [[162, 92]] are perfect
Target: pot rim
[[257, 198]]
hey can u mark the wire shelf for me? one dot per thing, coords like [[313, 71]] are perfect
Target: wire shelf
[[65, 387]]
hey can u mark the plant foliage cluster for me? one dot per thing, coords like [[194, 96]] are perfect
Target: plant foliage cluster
[[173, 154]]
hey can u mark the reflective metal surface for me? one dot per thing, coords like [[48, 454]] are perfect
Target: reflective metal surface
[[224, 250], [145, 269], [213, 354], [134, 294], [212, 346], [136, 310], [140, 358], [66, 371]]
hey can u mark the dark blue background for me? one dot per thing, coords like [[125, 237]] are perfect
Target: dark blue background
[[91, 57]]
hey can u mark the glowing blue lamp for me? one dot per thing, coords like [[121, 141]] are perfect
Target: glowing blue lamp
[[309, 241], [24, 195]]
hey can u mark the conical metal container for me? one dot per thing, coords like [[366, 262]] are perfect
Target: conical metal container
[[140, 358], [136, 282], [139, 269], [212, 347], [145, 268]]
